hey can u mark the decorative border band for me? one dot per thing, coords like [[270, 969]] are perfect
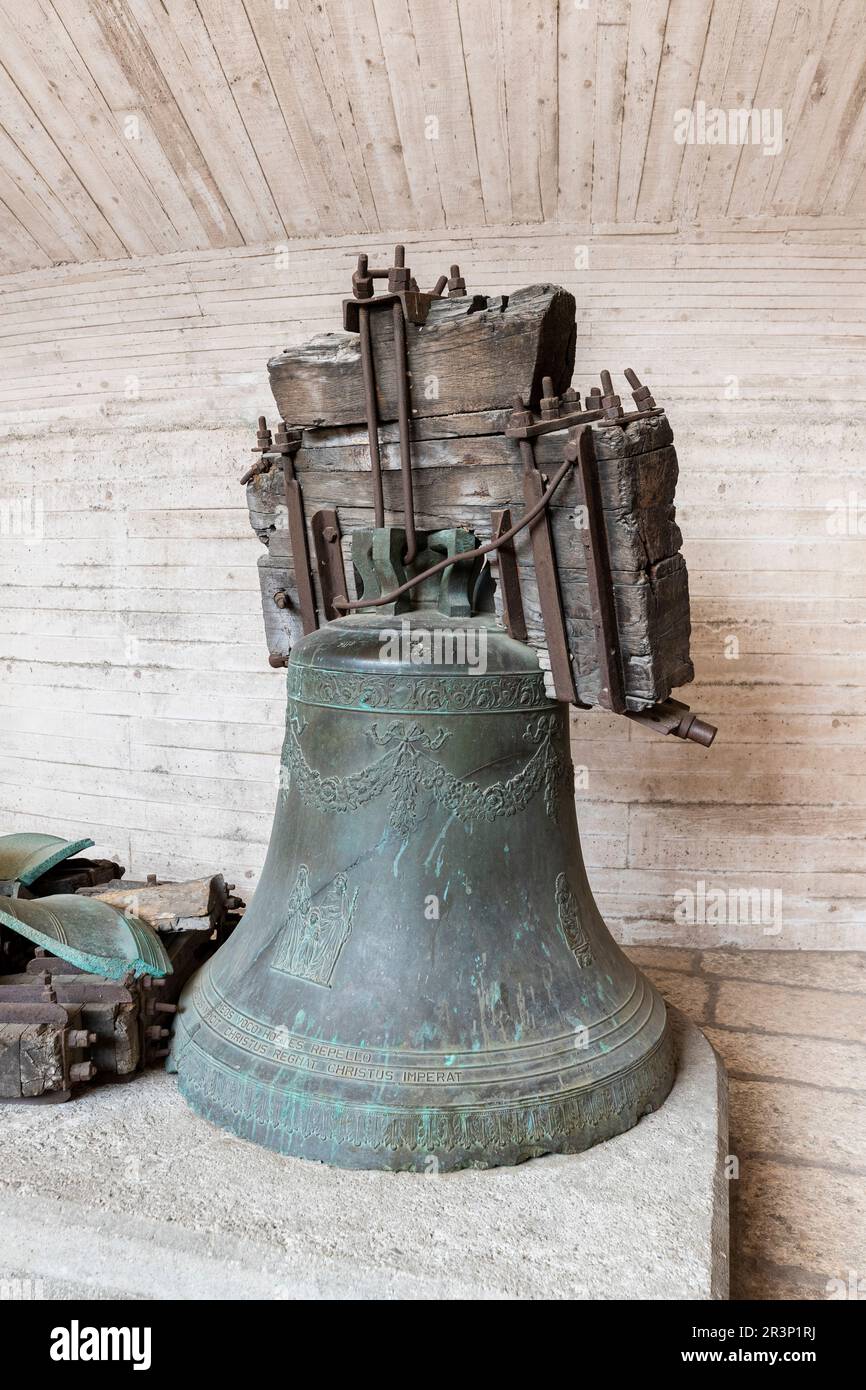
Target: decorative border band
[[422, 693]]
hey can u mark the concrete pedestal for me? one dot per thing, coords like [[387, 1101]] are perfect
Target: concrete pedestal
[[125, 1193]]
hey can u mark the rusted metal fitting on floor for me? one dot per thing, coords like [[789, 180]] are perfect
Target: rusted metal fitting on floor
[[277, 661], [549, 401], [641, 395], [441, 284], [456, 283], [82, 1071], [569, 401]]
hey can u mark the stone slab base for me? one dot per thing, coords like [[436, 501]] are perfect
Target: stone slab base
[[126, 1193]]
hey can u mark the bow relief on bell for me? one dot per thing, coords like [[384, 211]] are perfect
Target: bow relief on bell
[[409, 766], [313, 935]]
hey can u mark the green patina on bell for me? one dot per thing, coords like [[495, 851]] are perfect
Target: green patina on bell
[[423, 979]]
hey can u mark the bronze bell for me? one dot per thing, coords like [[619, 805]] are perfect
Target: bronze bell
[[423, 979]]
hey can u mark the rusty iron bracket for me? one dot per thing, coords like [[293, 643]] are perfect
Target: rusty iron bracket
[[547, 578], [673, 717], [407, 304], [594, 537], [509, 577], [286, 445], [325, 526], [280, 451]]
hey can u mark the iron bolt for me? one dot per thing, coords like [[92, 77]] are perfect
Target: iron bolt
[[399, 276], [549, 402], [520, 415], [456, 284], [362, 282], [610, 402], [642, 395], [263, 437]]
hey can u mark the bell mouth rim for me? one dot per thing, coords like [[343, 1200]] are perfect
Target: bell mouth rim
[[349, 1135]]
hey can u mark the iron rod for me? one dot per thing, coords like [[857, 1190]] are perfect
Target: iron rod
[[372, 411], [401, 368]]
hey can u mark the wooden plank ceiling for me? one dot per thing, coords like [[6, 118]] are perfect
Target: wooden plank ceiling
[[142, 127]]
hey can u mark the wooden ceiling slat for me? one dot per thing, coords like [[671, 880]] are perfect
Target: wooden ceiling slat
[[822, 132], [849, 167], [646, 33], [130, 121], [722, 55], [86, 232], [20, 250], [531, 74], [182, 50], [481, 43], [410, 109], [436, 26], [133, 85], [108, 109], [610, 70], [29, 198], [359, 54], [323, 46], [789, 60], [756, 24], [311, 130], [685, 38], [576, 88], [51, 78]]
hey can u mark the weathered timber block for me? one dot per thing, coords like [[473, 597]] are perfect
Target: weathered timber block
[[653, 625], [31, 1060], [195, 904], [464, 358], [117, 1050], [465, 468], [283, 625]]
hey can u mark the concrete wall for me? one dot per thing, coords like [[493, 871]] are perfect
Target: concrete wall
[[136, 703]]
